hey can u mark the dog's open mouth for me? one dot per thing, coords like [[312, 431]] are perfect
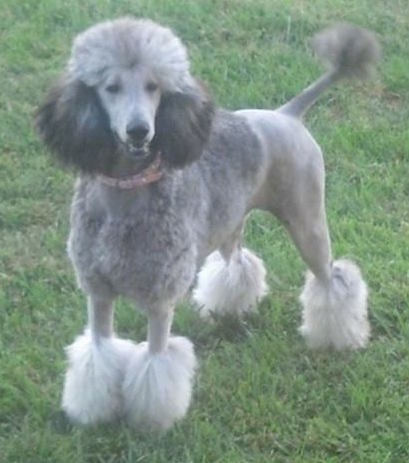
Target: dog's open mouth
[[137, 152]]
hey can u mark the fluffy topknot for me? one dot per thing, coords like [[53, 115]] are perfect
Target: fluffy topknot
[[125, 42]]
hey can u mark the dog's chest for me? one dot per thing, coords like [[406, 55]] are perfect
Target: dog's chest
[[147, 258]]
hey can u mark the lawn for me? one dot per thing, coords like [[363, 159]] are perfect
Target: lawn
[[260, 395]]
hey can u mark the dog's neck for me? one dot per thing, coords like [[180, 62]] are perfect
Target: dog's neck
[[152, 173]]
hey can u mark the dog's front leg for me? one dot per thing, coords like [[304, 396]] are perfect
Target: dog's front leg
[[97, 361], [158, 381]]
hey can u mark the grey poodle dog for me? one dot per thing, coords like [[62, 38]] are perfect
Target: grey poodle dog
[[165, 183]]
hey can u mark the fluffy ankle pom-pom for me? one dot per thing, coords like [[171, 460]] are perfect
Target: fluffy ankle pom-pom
[[158, 386], [233, 287], [92, 389], [335, 312]]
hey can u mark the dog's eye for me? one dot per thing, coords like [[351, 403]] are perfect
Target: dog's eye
[[151, 87], [113, 88]]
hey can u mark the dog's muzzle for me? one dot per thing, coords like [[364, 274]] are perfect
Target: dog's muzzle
[[138, 139]]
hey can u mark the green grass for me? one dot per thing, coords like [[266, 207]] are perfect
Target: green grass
[[260, 395]]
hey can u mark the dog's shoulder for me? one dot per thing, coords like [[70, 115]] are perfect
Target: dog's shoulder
[[233, 145]]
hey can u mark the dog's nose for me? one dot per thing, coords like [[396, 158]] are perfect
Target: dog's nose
[[137, 131]]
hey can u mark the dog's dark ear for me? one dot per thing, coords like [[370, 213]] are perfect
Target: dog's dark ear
[[74, 126], [182, 126]]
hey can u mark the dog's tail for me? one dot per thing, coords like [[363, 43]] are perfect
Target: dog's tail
[[350, 52]]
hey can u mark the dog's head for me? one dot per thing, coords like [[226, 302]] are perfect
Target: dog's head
[[127, 93]]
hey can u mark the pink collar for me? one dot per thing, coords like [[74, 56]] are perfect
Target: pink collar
[[151, 174]]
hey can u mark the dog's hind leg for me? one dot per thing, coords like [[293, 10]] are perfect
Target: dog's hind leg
[[158, 382], [93, 381], [334, 297], [231, 281]]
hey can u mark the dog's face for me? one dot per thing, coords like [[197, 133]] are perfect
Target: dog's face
[[126, 92], [130, 98]]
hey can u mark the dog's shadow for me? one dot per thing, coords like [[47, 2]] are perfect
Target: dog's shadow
[[217, 329]]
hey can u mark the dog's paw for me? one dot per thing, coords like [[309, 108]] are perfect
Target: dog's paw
[[92, 388], [157, 387], [234, 287], [335, 314]]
